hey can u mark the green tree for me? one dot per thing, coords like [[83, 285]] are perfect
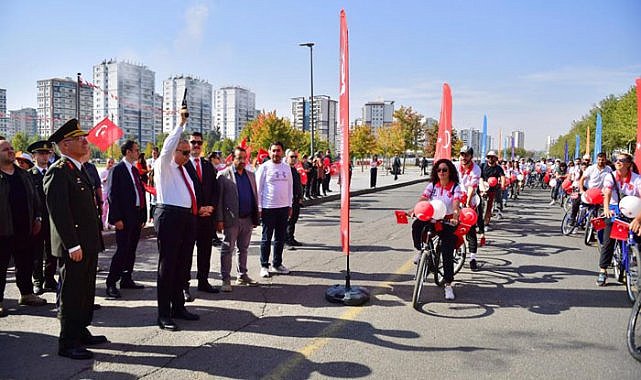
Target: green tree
[[267, 128], [362, 143], [225, 146], [20, 142], [390, 140]]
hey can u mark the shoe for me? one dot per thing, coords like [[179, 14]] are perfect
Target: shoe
[[264, 272], [246, 280], [32, 300], [51, 285], [290, 246], [482, 242], [226, 287], [113, 292], [207, 288], [552, 203], [417, 258], [77, 353], [296, 243], [97, 306], [167, 324], [449, 293], [473, 265], [92, 340], [130, 284], [1, 310], [216, 242], [184, 314], [187, 296], [281, 269], [601, 279], [37, 289]]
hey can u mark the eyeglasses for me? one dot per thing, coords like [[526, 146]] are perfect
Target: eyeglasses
[[196, 142], [184, 152], [626, 160], [442, 170], [293, 156]]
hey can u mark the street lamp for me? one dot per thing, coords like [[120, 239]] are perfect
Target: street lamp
[[310, 45]]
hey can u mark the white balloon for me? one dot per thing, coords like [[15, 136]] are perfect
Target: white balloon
[[553, 182], [630, 206], [475, 200], [483, 186], [584, 198], [439, 209], [519, 177]]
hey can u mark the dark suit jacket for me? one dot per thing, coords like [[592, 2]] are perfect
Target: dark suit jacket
[[122, 197], [207, 190], [33, 201], [227, 210], [72, 210], [37, 180]]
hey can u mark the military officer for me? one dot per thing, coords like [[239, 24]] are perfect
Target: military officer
[[75, 239]]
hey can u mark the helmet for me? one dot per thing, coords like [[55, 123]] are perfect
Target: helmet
[[465, 149], [491, 154]]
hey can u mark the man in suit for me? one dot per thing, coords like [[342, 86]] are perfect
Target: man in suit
[[75, 239], [128, 213], [203, 175], [43, 280], [297, 199], [237, 215]]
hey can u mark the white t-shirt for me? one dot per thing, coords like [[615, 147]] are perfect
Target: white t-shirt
[[627, 186], [275, 185], [594, 177], [447, 194]]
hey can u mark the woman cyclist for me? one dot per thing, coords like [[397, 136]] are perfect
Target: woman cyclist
[[444, 185]]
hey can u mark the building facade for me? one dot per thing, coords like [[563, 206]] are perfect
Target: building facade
[[125, 93], [199, 103], [234, 107], [519, 139], [325, 118], [378, 114], [57, 104], [4, 122], [472, 137], [24, 121]]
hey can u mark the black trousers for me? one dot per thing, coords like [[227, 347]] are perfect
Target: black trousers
[[20, 248], [122, 263], [44, 263], [448, 242], [204, 234], [326, 180], [77, 292], [372, 177], [291, 222], [472, 242], [176, 231]]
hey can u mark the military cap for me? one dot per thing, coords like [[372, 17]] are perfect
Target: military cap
[[42, 146], [70, 129]]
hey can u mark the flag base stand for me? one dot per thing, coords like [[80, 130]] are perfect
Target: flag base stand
[[346, 294]]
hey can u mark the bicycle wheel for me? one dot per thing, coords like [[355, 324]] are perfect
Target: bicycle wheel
[[566, 227], [634, 331], [588, 236], [632, 274], [616, 262], [422, 272], [437, 261], [459, 257]]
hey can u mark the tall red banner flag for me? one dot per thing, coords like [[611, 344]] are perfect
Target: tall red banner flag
[[637, 150], [444, 141], [104, 134], [343, 99]]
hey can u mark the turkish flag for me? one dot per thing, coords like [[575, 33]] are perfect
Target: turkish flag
[[104, 134], [262, 155], [444, 140], [620, 230], [637, 151], [343, 100]]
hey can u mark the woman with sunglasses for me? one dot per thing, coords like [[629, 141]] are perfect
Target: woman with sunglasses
[[444, 185], [624, 181]]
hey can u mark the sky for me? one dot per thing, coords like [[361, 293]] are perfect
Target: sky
[[528, 65]]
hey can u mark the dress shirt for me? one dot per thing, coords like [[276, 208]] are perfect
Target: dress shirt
[[129, 165], [170, 187]]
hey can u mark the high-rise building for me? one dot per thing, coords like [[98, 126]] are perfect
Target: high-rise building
[[472, 137], [24, 121], [4, 122], [325, 117], [378, 114], [549, 141], [199, 102], [157, 110], [519, 139], [57, 104], [234, 106], [125, 93]]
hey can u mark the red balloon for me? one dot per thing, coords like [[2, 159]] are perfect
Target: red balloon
[[594, 196], [513, 178], [303, 178], [566, 185], [546, 178], [462, 230], [492, 181], [424, 210], [468, 216]]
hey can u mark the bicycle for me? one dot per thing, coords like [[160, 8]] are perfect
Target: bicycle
[[584, 217], [625, 260], [633, 332]]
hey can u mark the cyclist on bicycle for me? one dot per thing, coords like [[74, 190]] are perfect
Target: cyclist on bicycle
[[560, 172], [491, 169], [577, 187], [469, 174], [616, 185], [444, 185]]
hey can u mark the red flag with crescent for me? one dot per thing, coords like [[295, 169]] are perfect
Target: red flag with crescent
[[444, 140], [637, 151], [343, 99], [104, 134]]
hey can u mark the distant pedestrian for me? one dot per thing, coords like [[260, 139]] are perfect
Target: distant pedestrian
[[297, 199], [373, 171], [396, 166]]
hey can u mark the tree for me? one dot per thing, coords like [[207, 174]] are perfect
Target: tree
[[390, 140], [20, 142], [225, 146], [362, 142], [267, 128], [431, 134]]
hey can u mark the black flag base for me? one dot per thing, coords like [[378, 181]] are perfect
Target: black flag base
[[347, 295]]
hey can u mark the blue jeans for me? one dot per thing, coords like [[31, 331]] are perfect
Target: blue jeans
[[274, 221]]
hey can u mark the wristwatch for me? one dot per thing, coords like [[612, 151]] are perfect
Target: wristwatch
[[38, 219]]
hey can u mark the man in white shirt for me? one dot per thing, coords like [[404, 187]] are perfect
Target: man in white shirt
[[469, 176], [275, 191]]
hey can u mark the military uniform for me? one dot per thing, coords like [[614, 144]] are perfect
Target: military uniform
[[74, 222]]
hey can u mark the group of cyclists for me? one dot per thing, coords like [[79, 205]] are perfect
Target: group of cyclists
[[487, 188]]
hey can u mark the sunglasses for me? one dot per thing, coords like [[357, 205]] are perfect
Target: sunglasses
[[624, 160], [184, 152], [442, 170], [194, 142], [293, 156]]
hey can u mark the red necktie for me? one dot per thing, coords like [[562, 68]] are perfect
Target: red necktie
[[194, 206], [138, 184], [198, 171]]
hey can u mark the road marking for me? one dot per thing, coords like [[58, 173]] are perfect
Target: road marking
[[283, 370]]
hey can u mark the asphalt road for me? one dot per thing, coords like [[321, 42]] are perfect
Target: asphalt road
[[532, 311]]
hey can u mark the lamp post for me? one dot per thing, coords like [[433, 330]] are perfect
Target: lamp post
[[310, 45]]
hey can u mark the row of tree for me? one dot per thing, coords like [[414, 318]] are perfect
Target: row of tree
[[619, 116]]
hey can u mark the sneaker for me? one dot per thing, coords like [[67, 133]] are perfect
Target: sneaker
[[449, 293], [601, 279], [552, 202], [264, 272], [473, 265], [226, 287], [32, 300], [246, 281], [281, 269], [417, 258], [1, 310]]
